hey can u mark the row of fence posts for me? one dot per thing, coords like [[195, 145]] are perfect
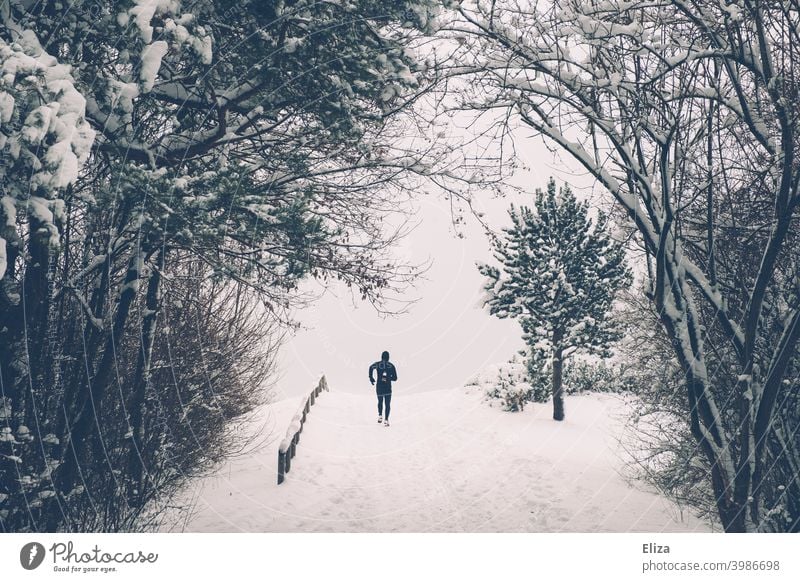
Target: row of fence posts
[[288, 447]]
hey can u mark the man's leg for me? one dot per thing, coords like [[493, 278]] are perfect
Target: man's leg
[[388, 398], [380, 404]]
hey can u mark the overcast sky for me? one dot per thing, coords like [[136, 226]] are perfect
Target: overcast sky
[[446, 337]]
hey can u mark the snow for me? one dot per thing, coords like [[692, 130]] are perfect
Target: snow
[[3, 258], [448, 463], [37, 124], [6, 106], [59, 120], [38, 207], [64, 166], [151, 63], [132, 286], [123, 95], [291, 44], [202, 46], [294, 425], [178, 31], [144, 11], [50, 439]]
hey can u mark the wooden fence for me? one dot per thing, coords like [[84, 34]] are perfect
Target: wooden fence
[[288, 447]]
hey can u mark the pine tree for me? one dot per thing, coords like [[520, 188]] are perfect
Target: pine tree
[[559, 274]]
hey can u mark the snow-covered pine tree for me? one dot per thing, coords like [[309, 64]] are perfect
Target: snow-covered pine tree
[[559, 275]]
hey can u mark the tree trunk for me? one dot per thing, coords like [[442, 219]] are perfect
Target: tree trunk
[[136, 460], [558, 390], [89, 408]]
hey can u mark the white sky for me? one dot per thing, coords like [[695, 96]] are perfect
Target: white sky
[[446, 337]]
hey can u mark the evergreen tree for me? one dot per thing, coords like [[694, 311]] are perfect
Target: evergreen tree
[[559, 275]]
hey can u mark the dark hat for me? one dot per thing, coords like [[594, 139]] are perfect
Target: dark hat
[[385, 356]]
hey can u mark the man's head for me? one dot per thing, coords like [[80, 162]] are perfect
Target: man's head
[[385, 356]]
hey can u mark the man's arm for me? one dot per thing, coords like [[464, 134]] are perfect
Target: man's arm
[[371, 368], [394, 373]]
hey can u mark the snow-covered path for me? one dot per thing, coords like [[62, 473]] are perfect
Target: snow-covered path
[[448, 463]]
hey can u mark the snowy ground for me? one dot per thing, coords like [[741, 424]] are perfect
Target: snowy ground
[[448, 463]]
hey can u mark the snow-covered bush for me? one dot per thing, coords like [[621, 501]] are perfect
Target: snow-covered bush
[[582, 376], [508, 385], [44, 142], [44, 136], [511, 396], [523, 379]]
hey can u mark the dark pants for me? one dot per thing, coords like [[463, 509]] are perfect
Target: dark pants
[[384, 395]]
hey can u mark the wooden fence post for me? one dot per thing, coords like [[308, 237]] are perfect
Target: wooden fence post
[[281, 467], [285, 457]]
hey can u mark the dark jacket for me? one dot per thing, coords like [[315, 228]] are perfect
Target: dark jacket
[[386, 374]]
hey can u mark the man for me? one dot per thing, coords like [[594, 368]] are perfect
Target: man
[[386, 375]]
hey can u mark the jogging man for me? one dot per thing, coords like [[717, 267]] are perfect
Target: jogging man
[[386, 374]]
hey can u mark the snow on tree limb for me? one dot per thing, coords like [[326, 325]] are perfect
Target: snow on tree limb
[[45, 139]]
